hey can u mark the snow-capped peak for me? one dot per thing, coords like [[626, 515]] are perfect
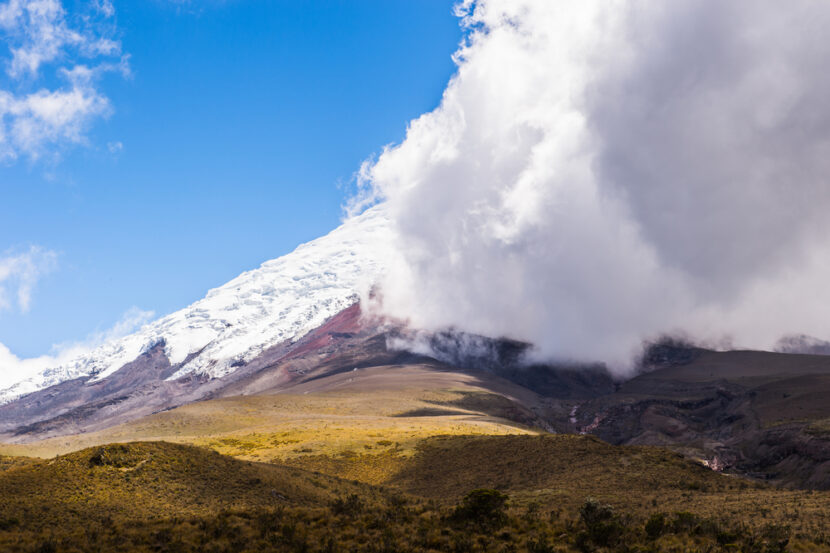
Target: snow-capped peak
[[280, 301]]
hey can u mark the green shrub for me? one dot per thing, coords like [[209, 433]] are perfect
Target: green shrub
[[774, 538], [655, 526], [684, 522], [484, 507], [117, 455], [539, 545], [602, 527], [350, 507], [46, 546]]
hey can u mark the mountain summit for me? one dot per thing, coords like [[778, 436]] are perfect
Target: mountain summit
[[279, 302]]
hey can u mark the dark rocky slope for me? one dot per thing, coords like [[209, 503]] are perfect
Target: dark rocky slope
[[757, 413]]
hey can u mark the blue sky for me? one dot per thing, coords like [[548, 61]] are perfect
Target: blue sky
[[225, 134]]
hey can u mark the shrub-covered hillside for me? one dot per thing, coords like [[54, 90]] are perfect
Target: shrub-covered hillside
[[535, 494]]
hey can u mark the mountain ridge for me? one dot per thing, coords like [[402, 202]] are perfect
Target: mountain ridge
[[278, 302]]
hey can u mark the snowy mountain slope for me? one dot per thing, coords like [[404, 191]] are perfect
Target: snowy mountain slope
[[280, 301]]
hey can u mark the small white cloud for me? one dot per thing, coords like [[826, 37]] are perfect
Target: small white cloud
[[105, 7], [39, 34], [47, 117], [20, 272], [115, 147]]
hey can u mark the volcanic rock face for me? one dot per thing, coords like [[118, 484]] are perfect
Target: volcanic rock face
[[756, 413], [149, 383], [346, 342]]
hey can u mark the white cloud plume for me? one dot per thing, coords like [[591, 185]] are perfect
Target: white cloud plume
[[39, 33], [600, 172], [14, 369], [19, 273]]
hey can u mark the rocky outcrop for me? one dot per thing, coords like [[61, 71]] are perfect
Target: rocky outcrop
[[753, 413]]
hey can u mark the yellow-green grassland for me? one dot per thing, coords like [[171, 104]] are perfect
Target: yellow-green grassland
[[403, 468]]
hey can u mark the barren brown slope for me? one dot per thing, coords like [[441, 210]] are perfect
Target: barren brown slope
[[756, 413]]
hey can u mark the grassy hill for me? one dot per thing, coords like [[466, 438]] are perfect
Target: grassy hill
[[387, 459], [556, 473], [130, 489], [170, 497], [369, 411], [559, 472], [7, 463]]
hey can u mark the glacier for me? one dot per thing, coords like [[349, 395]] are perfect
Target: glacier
[[280, 301]]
